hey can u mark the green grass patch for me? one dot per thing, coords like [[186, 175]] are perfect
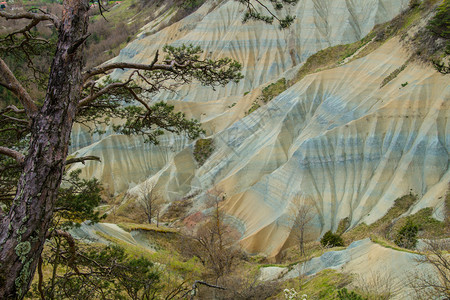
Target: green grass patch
[[428, 226], [384, 230], [268, 93], [132, 250], [412, 17], [388, 244], [331, 57], [401, 205], [146, 227], [383, 226], [273, 90]]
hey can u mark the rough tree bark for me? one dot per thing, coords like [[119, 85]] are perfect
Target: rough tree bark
[[23, 230]]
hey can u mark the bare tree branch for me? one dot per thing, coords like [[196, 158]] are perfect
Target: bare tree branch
[[19, 157], [70, 240], [81, 159], [10, 82], [194, 288], [36, 17], [14, 109]]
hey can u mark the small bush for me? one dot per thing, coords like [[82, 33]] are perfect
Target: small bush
[[344, 294], [441, 67], [332, 240], [407, 235]]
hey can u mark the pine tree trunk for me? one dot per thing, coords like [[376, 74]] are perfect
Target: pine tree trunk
[[24, 228]]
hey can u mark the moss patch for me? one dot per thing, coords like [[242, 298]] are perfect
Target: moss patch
[[202, 150]]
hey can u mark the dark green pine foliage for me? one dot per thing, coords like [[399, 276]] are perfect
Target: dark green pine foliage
[[96, 272], [407, 235], [268, 16], [440, 23], [344, 294], [330, 239]]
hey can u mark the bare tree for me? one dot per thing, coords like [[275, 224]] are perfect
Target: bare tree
[[302, 215], [149, 200], [433, 282], [214, 243]]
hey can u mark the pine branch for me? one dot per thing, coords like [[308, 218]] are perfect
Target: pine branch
[[34, 17], [109, 88], [123, 65]]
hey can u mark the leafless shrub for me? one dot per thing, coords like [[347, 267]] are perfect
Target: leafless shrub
[[150, 201], [214, 243], [379, 286], [302, 215], [433, 282], [248, 288]]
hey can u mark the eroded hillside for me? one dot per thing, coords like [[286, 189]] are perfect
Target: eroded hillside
[[345, 138]]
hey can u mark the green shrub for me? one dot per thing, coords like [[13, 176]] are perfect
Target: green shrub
[[344, 294], [407, 235], [414, 4], [440, 65], [439, 25], [331, 239], [203, 149], [255, 106]]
